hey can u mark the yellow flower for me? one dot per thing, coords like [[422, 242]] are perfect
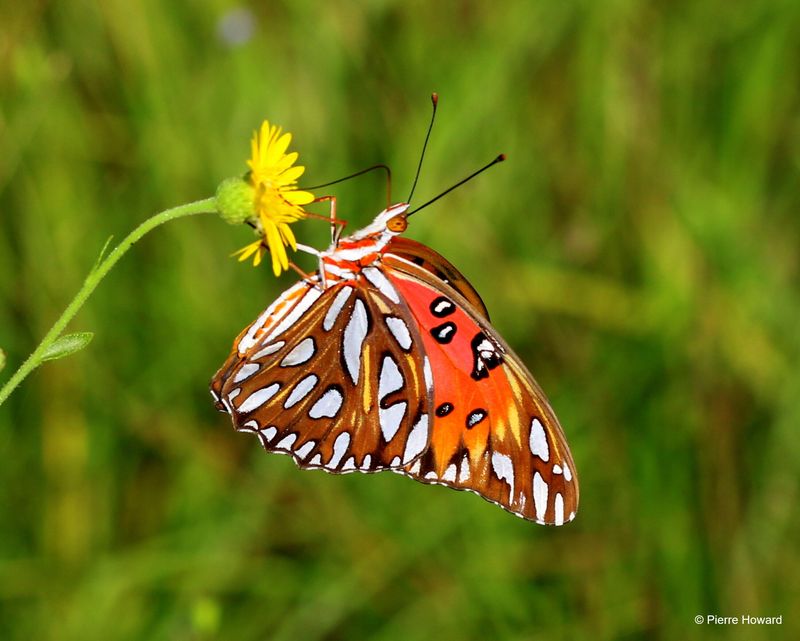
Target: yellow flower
[[276, 200]]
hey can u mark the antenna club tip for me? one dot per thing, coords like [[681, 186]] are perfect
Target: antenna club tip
[[501, 158], [435, 98]]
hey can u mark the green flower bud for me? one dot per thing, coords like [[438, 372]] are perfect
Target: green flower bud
[[235, 200]]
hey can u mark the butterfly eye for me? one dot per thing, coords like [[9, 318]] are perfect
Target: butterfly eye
[[397, 224]]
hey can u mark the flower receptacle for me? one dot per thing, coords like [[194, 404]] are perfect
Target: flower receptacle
[[235, 198]]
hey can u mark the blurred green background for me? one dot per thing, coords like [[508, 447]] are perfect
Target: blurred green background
[[639, 250]]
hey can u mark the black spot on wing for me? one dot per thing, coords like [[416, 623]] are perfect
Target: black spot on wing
[[444, 409], [475, 417], [442, 306], [486, 356], [444, 333]]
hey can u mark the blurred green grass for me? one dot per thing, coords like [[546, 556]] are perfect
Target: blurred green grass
[[639, 249]]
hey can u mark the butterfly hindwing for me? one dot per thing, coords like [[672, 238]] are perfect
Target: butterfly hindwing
[[493, 431], [336, 378]]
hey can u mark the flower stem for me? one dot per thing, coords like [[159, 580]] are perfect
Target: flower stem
[[207, 205]]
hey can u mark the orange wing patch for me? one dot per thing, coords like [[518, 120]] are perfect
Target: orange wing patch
[[493, 431]]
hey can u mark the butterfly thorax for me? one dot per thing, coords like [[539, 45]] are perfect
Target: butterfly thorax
[[346, 259]]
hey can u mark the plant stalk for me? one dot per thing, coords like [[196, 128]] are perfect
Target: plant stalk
[[208, 205]]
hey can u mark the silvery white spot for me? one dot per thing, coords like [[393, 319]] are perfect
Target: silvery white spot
[[571, 516], [246, 371], [366, 462], [304, 450], [258, 398], [354, 335], [269, 433], [428, 374], [390, 419], [417, 440], [442, 306], [269, 349], [463, 470], [377, 278], [317, 460], [557, 469], [431, 475], [353, 254], [391, 379], [338, 273], [476, 416], [340, 446], [249, 339], [450, 473], [540, 490], [414, 469], [214, 395], [349, 464], [395, 462], [286, 442], [521, 501], [234, 393], [538, 441], [300, 353], [227, 406], [399, 330], [300, 391], [504, 470], [250, 425], [300, 308], [327, 405], [567, 473], [445, 332], [559, 509], [336, 307]]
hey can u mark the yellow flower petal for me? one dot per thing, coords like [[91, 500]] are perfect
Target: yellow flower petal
[[287, 161], [276, 200], [275, 150], [298, 197], [291, 174], [244, 253], [287, 235], [276, 248]]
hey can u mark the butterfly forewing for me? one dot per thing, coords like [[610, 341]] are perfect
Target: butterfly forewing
[[336, 378], [433, 262], [493, 431]]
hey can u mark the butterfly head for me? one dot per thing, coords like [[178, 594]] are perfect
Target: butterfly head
[[390, 222]]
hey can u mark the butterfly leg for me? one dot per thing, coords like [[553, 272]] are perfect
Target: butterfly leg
[[305, 276], [314, 252], [337, 225]]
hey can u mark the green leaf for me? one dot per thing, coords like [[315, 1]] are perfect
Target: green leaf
[[66, 345], [102, 254], [2, 359]]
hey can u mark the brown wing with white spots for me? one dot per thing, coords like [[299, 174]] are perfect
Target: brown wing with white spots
[[493, 430], [336, 378]]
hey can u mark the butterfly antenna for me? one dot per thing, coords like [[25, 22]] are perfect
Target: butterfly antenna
[[500, 158], [358, 173], [434, 102]]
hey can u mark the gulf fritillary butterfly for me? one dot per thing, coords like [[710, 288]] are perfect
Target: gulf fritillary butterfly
[[385, 359]]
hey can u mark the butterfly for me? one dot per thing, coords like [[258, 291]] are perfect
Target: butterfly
[[385, 359]]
